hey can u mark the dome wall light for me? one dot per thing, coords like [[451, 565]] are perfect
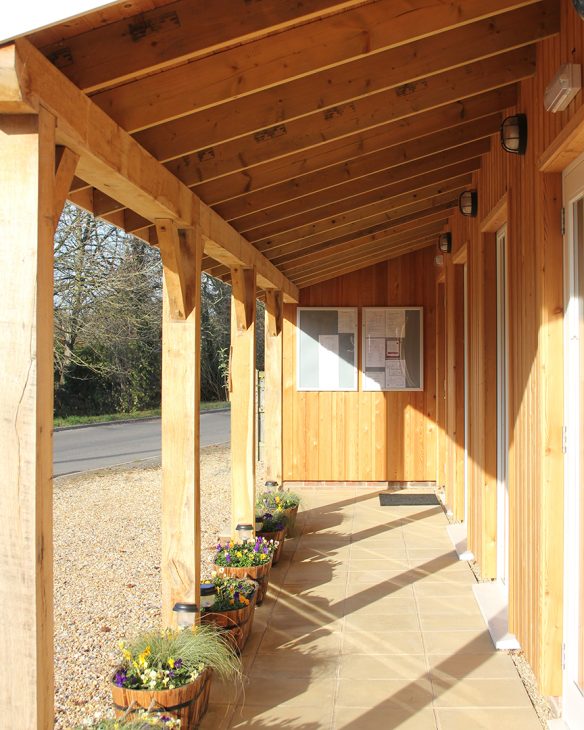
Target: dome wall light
[[514, 134], [468, 203]]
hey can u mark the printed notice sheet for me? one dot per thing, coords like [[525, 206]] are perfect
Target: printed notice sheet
[[347, 321], [392, 348]]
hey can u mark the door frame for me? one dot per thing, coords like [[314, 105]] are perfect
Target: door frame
[[502, 295], [573, 698]]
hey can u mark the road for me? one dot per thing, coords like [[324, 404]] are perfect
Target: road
[[111, 444]]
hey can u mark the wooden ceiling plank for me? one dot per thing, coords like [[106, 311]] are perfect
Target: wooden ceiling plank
[[353, 188], [271, 173], [175, 33], [372, 111], [389, 233], [387, 215], [369, 258], [400, 132], [112, 161], [290, 54], [386, 256], [339, 85], [440, 176], [336, 176], [300, 253]]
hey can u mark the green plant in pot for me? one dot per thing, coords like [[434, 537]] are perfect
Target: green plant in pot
[[279, 500], [251, 559], [233, 605], [169, 672], [274, 528]]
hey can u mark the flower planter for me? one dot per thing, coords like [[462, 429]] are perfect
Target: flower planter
[[187, 703], [259, 573], [278, 536], [291, 514], [237, 624]]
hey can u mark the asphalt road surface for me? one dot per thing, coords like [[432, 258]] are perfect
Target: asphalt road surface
[[96, 447]]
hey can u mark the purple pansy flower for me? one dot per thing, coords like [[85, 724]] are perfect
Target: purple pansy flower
[[178, 663], [120, 678]]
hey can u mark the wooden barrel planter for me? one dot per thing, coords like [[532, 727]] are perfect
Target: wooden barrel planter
[[259, 573], [291, 514], [187, 703], [237, 624], [280, 536]]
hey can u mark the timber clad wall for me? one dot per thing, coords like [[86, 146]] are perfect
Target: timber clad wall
[[364, 436], [534, 244]]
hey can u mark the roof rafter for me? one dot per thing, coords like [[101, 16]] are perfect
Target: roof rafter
[[114, 162], [290, 54], [327, 89]]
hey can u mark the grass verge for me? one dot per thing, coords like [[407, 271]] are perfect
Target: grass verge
[[60, 422]]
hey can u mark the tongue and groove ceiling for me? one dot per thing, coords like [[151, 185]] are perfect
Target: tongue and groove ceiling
[[332, 135]]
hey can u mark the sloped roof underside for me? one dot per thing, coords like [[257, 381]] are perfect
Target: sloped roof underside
[[331, 134]]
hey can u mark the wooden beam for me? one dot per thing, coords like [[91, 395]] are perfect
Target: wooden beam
[[369, 199], [242, 396], [182, 31], [391, 226], [361, 168], [353, 220], [339, 85], [342, 196], [339, 150], [566, 146], [368, 112], [65, 164], [181, 386], [364, 252], [109, 159], [383, 220], [288, 55], [353, 243], [179, 269], [27, 208], [273, 394], [356, 266]]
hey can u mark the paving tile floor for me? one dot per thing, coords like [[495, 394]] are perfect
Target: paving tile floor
[[370, 622]]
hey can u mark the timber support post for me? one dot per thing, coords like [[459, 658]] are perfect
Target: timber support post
[[242, 395], [28, 216], [273, 353], [181, 252]]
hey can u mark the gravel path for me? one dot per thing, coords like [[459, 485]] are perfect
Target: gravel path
[[107, 570]]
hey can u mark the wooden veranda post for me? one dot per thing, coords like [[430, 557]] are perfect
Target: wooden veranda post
[[273, 385], [181, 252], [242, 395], [29, 211]]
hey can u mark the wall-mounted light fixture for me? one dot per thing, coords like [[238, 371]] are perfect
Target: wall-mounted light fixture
[[579, 5], [514, 134], [445, 242], [468, 203]]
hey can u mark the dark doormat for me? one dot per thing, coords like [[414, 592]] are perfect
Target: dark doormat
[[405, 500]]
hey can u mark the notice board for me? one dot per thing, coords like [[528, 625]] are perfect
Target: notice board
[[326, 354], [393, 348]]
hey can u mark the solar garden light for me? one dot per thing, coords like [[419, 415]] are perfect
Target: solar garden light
[[186, 614], [259, 523], [271, 485], [244, 532], [208, 593]]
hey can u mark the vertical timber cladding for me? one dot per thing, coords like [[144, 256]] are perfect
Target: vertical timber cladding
[[535, 365], [364, 436]]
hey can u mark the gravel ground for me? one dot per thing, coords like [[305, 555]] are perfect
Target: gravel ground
[[107, 570]]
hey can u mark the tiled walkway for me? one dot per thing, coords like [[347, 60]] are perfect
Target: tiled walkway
[[371, 623]]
